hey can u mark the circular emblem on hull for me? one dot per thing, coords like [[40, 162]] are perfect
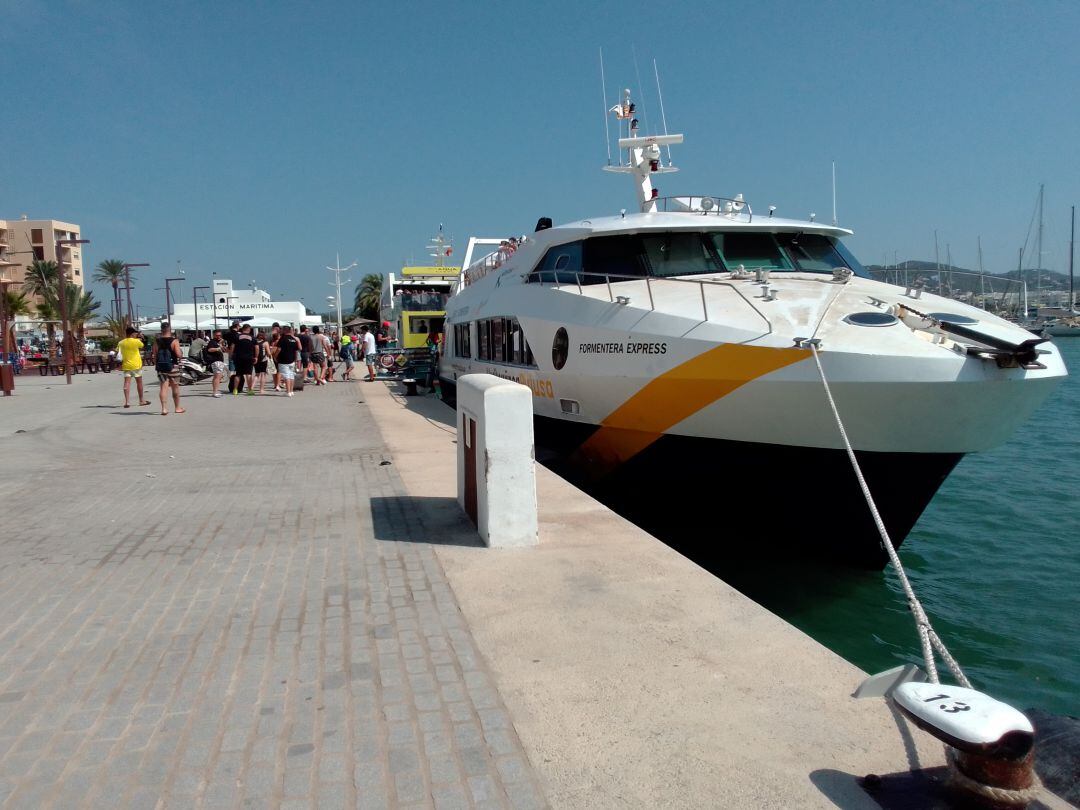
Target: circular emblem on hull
[[560, 348]]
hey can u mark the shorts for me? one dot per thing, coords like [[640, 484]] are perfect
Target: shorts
[[347, 357], [245, 366], [287, 370], [318, 357], [305, 358], [218, 367], [168, 377], [370, 358], [260, 367], [133, 372]]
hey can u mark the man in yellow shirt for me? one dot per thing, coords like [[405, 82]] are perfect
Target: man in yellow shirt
[[131, 365]]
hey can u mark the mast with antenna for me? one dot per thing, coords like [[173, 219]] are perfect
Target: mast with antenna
[[643, 152], [660, 96], [603, 88], [440, 247], [640, 89]]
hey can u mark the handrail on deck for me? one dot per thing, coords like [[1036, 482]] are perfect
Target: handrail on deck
[[607, 277], [702, 204]]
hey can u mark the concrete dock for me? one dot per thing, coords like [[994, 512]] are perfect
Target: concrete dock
[[271, 602]]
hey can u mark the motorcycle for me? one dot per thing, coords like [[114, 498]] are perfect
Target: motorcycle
[[192, 371]]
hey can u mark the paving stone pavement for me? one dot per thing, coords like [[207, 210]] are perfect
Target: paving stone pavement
[[232, 607]]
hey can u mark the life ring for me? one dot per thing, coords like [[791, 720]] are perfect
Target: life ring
[[387, 361]]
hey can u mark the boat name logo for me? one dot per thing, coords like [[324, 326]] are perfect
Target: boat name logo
[[630, 347]]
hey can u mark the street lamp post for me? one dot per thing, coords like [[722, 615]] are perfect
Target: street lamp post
[[195, 303], [168, 298], [127, 284], [61, 291], [337, 270]]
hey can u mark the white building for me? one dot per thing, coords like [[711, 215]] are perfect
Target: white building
[[247, 306]]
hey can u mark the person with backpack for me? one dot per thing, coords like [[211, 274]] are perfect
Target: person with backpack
[[262, 360], [166, 357], [243, 357]]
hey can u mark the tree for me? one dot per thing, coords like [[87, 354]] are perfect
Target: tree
[[49, 312], [41, 277], [15, 304], [112, 272], [368, 296], [81, 308], [116, 326]]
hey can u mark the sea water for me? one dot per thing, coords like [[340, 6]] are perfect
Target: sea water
[[995, 560]]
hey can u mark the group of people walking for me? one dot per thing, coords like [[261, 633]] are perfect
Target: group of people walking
[[247, 357]]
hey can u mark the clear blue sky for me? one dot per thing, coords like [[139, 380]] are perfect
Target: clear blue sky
[[259, 139]]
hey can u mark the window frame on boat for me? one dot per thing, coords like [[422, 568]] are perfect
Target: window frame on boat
[[501, 340]]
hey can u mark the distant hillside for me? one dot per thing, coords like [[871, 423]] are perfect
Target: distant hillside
[[1049, 279]]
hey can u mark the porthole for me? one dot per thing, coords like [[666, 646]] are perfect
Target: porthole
[[949, 317], [871, 319], [560, 348]]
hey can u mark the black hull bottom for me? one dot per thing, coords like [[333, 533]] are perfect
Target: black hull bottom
[[713, 500]]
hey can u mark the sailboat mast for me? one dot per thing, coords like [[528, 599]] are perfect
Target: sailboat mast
[[982, 276], [1038, 254], [937, 263], [1072, 239]]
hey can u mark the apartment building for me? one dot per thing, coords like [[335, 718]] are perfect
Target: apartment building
[[23, 240], [8, 273]]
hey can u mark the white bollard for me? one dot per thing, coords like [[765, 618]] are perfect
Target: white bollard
[[496, 477]]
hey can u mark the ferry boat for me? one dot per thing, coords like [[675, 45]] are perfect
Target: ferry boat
[[414, 303], [670, 353]]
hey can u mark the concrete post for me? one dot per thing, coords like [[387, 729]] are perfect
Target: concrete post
[[496, 476]]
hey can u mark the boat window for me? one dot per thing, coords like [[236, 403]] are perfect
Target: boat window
[[679, 254], [751, 250], [462, 340], [498, 337], [502, 340], [560, 265], [613, 256], [817, 253]]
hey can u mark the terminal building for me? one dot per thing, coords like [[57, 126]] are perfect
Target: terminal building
[[228, 304]]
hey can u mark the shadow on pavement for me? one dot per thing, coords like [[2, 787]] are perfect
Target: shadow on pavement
[[411, 519], [904, 790]]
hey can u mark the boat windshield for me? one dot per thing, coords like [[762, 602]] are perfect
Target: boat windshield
[[689, 253]]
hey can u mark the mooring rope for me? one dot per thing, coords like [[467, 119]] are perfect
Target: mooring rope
[[928, 637]]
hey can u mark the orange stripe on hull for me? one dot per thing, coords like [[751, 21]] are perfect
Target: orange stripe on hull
[[676, 395]]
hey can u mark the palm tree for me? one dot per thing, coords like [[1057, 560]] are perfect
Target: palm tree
[[116, 326], [81, 308], [49, 312], [111, 271], [368, 296], [15, 304], [41, 277]]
